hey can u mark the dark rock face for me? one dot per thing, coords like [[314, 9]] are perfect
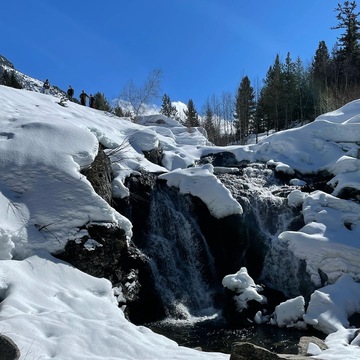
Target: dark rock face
[[8, 349], [224, 159], [154, 155], [100, 176], [232, 242], [111, 257], [245, 318], [123, 265]]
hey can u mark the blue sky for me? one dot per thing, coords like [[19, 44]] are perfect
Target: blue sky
[[203, 47]]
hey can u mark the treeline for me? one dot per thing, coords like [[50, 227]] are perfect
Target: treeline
[[290, 94]]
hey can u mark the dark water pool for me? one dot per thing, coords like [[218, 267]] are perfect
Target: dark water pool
[[217, 336]]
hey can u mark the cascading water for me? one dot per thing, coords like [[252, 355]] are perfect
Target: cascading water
[[179, 256], [263, 198], [186, 252]]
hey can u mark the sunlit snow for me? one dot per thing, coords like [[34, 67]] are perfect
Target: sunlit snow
[[52, 310]]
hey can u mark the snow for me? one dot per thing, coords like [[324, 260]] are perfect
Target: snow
[[244, 287], [48, 308], [52, 310], [201, 182], [289, 312]]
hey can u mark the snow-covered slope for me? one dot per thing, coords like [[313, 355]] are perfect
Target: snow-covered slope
[[44, 199]]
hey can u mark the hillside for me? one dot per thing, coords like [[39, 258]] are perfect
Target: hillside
[[45, 200]]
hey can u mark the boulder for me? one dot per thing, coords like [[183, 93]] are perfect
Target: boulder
[[8, 349], [304, 344], [248, 351]]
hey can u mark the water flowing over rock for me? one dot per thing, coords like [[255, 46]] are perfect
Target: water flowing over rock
[[167, 233], [263, 197], [189, 250], [179, 252]]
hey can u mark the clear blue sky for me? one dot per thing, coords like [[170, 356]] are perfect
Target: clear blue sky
[[203, 47]]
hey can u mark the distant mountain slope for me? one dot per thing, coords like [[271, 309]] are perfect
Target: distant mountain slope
[[27, 82]]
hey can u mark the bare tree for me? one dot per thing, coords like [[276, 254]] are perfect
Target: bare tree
[[138, 97]]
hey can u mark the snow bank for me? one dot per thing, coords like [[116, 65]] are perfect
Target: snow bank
[[200, 182]]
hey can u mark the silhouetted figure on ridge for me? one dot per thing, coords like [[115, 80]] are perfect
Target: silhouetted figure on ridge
[[92, 101], [46, 87], [83, 97], [70, 92]]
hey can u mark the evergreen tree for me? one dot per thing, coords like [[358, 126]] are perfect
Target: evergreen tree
[[209, 123], [348, 55], [118, 111], [167, 108], [304, 107], [289, 78], [244, 109], [5, 79], [272, 96], [101, 103], [192, 117], [10, 80], [320, 75]]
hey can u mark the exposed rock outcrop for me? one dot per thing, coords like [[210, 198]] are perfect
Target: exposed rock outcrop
[[8, 349], [100, 176], [104, 253], [249, 351]]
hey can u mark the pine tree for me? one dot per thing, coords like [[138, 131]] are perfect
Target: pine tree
[[320, 76], [304, 106], [192, 117], [5, 79], [167, 108], [272, 96], [118, 111], [244, 109], [209, 123], [10, 80], [289, 90], [348, 55], [101, 103]]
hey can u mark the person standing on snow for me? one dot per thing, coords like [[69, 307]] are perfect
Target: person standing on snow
[[70, 93], [92, 101], [83, 97], [46, 87]]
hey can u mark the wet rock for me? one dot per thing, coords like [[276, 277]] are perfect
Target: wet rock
[[248, 351]]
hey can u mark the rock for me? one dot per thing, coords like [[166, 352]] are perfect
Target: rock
[[155, 155], [248, 351], [304, 344], [109, 256], [225, 159], [5, 62], [8, 349], [99, 175]]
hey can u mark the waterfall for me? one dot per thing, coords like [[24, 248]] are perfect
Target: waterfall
[[263, 198], [181, 262], [189, 251]]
